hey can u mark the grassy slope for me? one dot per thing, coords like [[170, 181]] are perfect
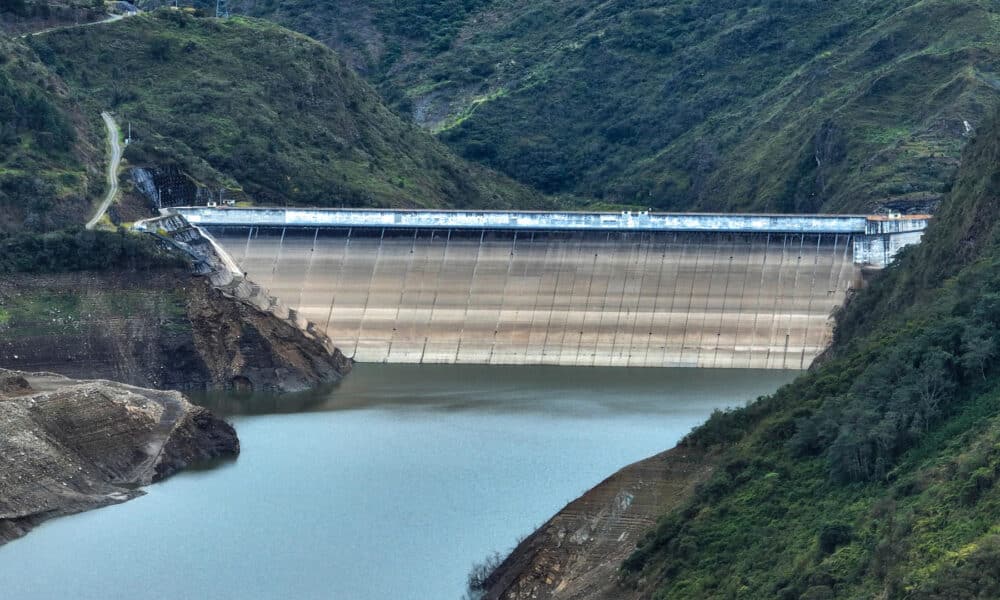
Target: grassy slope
[[50, 312], [21, 16], [784, 105], [874, 475], [256, 108], [49, 164]]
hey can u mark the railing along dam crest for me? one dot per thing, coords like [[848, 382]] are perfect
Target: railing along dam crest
[[598, 289]]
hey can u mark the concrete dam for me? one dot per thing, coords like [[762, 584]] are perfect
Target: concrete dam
[[602, 289]]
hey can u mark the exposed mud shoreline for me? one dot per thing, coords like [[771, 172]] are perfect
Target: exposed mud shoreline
[[68, 445], [577, 553]]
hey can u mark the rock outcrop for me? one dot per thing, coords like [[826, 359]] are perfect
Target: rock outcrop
[[13, 384], [159, 328], [577, 553], [69, 445]]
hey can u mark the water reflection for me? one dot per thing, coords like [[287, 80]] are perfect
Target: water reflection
[[501, 389]]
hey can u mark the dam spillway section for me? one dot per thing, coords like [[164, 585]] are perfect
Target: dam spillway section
[[630, 289]]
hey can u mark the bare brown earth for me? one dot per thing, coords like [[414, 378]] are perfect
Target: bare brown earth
[[163, 328], [69, 445], [577, 553]]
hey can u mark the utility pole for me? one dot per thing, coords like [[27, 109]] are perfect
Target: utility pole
[[221, 9]]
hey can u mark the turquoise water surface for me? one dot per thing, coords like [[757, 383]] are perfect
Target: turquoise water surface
[[388, 487]]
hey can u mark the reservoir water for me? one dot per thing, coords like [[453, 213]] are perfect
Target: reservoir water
[[387, 487]]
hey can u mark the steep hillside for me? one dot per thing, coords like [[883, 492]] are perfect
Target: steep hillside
[[779, 105], [874, 475], [261, 112], [49, 165], [22, 16], [117, 306]]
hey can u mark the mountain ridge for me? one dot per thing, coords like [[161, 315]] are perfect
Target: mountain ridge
[[688, 105]]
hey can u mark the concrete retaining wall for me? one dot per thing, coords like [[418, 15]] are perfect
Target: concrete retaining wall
[[609, 298]]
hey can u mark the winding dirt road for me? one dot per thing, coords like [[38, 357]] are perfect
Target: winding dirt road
[[109, 19], [116, 159]]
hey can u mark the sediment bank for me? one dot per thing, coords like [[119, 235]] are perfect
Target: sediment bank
[[68, 445]]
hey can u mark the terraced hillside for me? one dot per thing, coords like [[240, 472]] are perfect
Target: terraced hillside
[[778, 105]]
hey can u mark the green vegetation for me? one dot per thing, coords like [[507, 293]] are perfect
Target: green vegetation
[[254, 108], [27, 311], [777, 105], [436, 22], [40, 311], [875, 474], [82, 250], [20, 16], [44, 176]]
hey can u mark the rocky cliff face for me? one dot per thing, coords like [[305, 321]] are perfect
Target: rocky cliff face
[[160, 328], [68, 445]]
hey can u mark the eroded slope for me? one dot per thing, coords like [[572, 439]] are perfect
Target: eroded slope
[[67, 446]]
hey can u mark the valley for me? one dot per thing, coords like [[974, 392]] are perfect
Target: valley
[[832, 434]]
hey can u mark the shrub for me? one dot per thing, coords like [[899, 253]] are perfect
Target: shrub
[[833, 536]]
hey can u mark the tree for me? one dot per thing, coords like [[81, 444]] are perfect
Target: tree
[[159, 49], [480, 573]]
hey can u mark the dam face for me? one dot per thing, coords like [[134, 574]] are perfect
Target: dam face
[[601, 298]]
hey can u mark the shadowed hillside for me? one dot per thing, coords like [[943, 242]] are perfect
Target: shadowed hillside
[[777, 105]]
